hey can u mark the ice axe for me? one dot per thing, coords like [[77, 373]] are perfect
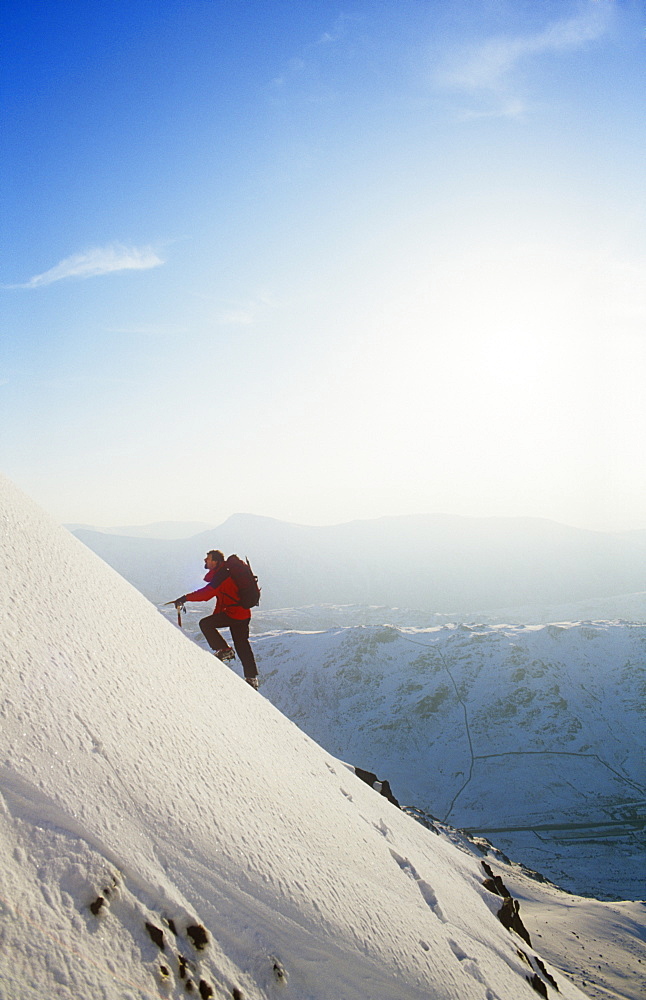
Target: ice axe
[[180, 607]]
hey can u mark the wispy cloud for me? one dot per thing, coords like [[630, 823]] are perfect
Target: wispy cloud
[[304, 69], [488, 69], [506, 107], [294, 69], [148, 330], [237, 317], [95, 262], [247, 313]]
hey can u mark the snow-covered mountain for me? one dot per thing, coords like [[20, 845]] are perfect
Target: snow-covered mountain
[[165, 831], [630, 608], [529, 735], [456, 566]]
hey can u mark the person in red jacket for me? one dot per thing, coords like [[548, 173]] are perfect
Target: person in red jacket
[[228, 613]]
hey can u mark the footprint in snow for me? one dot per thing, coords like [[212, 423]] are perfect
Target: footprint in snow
[[472, 968], [279, 970], [381, 828], [427, 891]]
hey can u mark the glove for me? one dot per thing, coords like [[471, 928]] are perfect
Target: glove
[[179, 601]]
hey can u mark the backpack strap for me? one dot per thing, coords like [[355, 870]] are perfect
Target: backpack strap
[[219, 577]]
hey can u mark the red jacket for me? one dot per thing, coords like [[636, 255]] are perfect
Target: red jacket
[[226, 594]]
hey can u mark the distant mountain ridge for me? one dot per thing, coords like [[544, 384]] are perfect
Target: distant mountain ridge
[[158, 529], [441, 563]]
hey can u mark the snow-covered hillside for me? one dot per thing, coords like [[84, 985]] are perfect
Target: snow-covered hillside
[[623, 608], [532, 736], [164, 830]]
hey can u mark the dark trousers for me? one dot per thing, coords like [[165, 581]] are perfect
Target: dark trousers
[[239, 635]]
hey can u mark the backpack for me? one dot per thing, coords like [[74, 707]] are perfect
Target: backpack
[[247, 583]]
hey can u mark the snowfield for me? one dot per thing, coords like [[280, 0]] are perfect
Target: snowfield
[[530, 735], [165, 831]]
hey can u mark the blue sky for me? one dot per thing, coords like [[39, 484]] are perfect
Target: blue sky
[[324, 261]]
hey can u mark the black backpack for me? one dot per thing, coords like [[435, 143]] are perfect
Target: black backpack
[[247, 583]]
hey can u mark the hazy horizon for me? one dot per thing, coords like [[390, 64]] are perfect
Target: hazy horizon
[[180, 524], [324, 262]]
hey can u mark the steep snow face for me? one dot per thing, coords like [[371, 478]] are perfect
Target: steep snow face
[[531, 736], [163, 824]]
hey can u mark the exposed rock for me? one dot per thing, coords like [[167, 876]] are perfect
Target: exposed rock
[[509, 912], [198, 935], [538, 985], [383, 787], [156, 935]]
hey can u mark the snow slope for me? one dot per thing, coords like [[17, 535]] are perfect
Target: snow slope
[[161, 823], [530, 735], [602, 945]]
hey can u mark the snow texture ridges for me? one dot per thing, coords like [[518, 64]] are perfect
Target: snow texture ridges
[[138, 771]]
